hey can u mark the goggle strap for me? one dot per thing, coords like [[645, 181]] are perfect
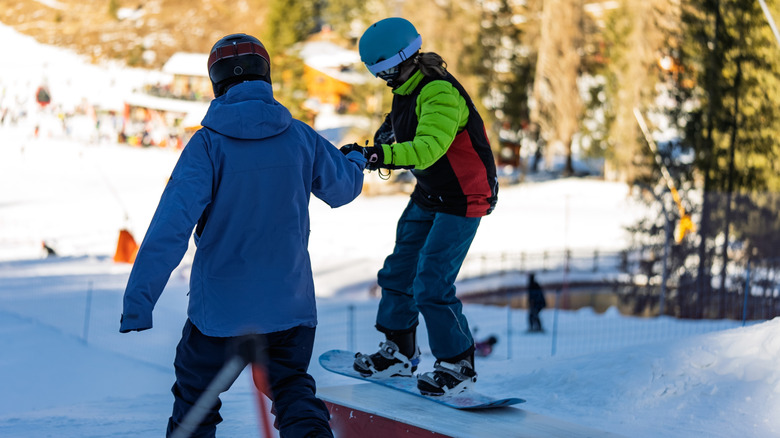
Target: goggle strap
[[398, 58], [237, 49]]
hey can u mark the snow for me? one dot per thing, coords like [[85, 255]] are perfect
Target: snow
[[71, 79], [66, 371]]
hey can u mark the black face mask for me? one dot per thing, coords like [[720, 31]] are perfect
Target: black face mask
[[390, 76]]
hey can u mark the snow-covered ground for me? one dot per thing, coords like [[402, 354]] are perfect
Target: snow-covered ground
[[66, 371]]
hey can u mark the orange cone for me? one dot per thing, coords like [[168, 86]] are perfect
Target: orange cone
[[126, 248]]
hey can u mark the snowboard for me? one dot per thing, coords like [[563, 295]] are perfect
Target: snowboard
[[340, 362]]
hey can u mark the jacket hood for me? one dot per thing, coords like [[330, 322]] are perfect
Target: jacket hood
[[247, 111]]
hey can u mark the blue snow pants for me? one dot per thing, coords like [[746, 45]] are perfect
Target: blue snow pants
[[298, 412], [419, 277]]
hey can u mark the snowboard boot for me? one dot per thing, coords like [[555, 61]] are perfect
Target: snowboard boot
[[448, 378], [398, 355]]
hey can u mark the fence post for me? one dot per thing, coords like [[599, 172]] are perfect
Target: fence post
[[351, 328], [87, 311], [595, 260], [747, 292], [554, 345], [509, 330]]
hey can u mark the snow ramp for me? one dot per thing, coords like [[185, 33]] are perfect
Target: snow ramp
[[369, 410]]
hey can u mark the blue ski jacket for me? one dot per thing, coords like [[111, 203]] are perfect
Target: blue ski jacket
[[245, 180]]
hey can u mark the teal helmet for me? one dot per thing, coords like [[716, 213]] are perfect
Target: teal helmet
[[387, 43]]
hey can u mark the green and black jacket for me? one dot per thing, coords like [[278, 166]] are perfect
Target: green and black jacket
[[439, 132]]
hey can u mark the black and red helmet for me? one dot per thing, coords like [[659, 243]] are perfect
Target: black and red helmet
[[237, 58]]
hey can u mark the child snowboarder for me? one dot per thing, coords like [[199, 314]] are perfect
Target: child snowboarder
[[435, 130]]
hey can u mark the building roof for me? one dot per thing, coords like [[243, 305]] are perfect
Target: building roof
[[326, 57], [165, 104], [335, 61], [187, 64]]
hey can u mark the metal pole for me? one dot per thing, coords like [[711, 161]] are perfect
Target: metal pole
[[566, 253], [554, 346], [87, 312], [685, 220], [770, 20], [351, 328], [667, 239], [509, 331], [665, 263], [747, 293]]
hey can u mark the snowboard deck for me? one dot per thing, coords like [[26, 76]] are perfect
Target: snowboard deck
[[340, 362]]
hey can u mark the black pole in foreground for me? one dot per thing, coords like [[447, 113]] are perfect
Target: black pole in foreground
[[247, 350]]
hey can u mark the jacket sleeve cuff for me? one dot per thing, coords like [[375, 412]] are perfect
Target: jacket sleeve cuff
[[129, 322], [357, 158]]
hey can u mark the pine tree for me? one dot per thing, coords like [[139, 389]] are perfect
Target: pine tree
[[289, 22], [348, 18], [734, 66], [502, 64]]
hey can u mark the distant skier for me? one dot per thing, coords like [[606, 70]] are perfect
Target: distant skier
[[435, 130], [50, 252], [43, 96], [245, 179], [536, 302]]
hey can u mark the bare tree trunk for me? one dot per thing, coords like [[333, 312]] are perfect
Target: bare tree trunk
[[558, 106], [641, 30]]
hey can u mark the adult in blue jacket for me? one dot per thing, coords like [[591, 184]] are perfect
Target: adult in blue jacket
[[243, 182]]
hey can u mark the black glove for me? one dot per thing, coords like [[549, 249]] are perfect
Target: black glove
[[346, 149], [375, 157]]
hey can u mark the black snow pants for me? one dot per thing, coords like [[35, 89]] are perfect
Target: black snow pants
[[299, 413]]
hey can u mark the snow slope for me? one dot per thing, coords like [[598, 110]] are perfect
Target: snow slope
[[66, 371]]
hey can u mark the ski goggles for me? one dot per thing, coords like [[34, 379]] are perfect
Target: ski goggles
[[393, 61], [388, 75]]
